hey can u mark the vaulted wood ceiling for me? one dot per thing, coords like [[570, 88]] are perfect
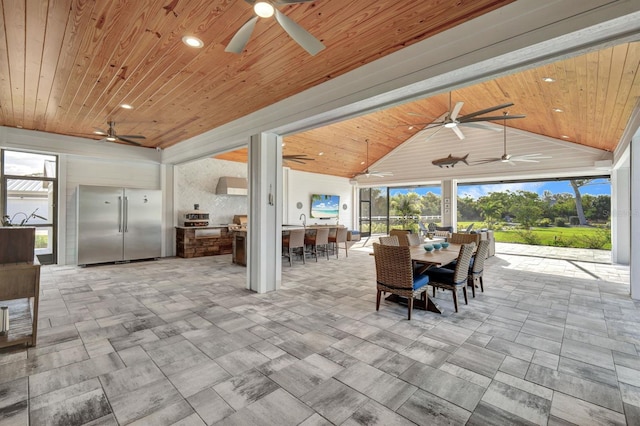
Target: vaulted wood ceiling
[[596, 92], [67, 65]]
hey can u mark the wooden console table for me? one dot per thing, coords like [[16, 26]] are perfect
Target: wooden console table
[[20, 281]]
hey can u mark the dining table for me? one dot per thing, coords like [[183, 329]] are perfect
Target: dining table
[[423, 261]]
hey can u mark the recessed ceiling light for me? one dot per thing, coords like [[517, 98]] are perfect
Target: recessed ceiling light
[[565, 137], [126, 106], [362, 163], [557, 110], [283, 144], [97, 132], [321, 153], [410, 127], [111, 138], [548, 79], [192, 41]]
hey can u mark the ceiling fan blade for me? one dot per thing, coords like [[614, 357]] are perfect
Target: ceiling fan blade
[[493, 118], [380, 174], [299, 34], [129, 141], [479, 125], [242, 36], [487, 161], [530, 160], [456, 110], [485, 111], [292, 1], [434, 133], [132, 136], [458, 132], [293, 160]]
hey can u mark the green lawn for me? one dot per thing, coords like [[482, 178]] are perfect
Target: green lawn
[[582, 237]]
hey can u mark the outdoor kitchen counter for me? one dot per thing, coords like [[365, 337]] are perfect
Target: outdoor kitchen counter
[[197, 241]]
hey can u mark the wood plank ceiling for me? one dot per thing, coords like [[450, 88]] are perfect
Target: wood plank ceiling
[[66, 66], [596, 92]]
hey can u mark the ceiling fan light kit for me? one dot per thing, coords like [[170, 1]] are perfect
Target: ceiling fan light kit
[[110, 135], [264, 9], [452, 121], [268, 9], [367, 173]]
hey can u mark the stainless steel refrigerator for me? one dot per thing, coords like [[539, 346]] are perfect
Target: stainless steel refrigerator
[[118, 224]]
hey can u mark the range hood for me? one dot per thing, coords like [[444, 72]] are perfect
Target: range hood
[[228, 185]]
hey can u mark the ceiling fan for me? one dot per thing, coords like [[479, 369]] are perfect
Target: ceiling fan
[[267, 9], [508, 158], [474, 119], [112, 136], [297, 158], [369, 173]]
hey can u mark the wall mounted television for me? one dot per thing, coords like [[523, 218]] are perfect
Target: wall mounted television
[[325, 206]]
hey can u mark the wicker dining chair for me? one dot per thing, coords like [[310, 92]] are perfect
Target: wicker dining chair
[[413, 239], [458, 238], [400, 233], [389, 241], [394, 274], [476, 268], [453, 279]]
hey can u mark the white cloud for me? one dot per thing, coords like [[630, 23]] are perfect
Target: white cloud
[[477, 191]]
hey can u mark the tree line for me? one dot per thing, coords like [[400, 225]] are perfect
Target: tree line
[[522, 208]]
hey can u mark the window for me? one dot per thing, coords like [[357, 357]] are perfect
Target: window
[[29, 188]]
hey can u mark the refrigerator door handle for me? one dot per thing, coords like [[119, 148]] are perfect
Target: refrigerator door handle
[[120, 214], [126, 214]]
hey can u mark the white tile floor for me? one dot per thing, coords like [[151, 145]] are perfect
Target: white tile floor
[[180, 341]]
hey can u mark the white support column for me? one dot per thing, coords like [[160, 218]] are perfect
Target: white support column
[[61, 205], [264, 233], [169, 222], [634, 190], [620, 220], [449, 193]]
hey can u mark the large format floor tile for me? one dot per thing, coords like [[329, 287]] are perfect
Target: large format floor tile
[[181, 341]]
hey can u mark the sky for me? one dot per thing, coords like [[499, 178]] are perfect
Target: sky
[[597, 187]]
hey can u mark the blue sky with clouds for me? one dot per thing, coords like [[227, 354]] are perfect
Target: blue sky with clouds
[[597, 187]]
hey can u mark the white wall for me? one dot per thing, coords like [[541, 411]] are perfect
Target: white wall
[[299, 186], [93, 171], [196, 184]]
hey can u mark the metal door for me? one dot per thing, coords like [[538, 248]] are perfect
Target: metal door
[[142, 224], [100, 224], [365, 212]]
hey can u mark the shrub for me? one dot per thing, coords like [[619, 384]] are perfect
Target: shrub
[[529, 237], [560, 241], [560, 222], [574, 220], [598, 239], [544, 222]]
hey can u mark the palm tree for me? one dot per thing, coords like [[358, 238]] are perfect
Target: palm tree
[[407, 206]]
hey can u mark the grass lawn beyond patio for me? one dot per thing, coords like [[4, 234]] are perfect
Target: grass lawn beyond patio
[[580, 237]]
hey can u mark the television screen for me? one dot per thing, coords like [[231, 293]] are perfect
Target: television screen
[[325, 206]]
